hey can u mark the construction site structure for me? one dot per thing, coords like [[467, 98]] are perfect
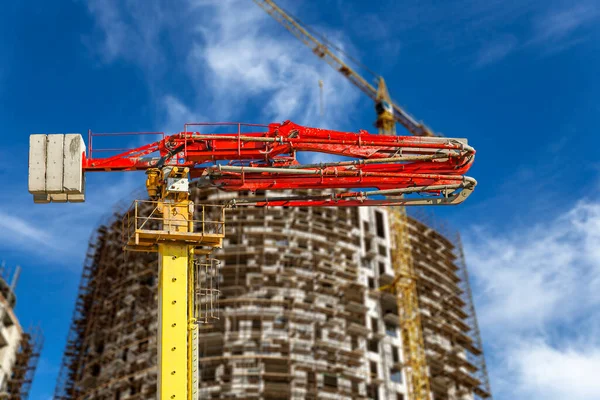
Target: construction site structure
[[300, 311], [429, 170], [389, 113], [19, 349]]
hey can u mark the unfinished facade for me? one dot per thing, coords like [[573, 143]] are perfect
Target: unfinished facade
[[19, 349], [111, 346], [301, 315]]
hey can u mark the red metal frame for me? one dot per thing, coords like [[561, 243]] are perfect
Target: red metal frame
[[266, 160]]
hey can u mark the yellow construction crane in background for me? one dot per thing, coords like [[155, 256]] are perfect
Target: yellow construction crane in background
[[321, 105], [388, 113], [386, 109]]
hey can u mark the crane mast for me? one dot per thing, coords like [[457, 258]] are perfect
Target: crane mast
[[405, 279]]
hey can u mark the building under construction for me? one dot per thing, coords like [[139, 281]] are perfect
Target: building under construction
[[19, 349], [300, 312]]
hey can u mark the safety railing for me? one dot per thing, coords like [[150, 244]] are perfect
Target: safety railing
[[150, 222], [117, 142], [221, 128]]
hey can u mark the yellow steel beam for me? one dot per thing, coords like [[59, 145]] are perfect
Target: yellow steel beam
[[386, 123], [173, 321]]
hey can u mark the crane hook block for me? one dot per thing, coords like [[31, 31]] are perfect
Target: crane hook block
[[56, 168]]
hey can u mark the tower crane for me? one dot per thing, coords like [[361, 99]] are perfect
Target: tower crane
[[388, 113], [383, 170]]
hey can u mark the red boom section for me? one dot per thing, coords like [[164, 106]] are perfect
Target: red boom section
[[393, 165]]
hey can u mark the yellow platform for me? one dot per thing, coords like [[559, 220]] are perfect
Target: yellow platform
[[148, 240], [150, 223]]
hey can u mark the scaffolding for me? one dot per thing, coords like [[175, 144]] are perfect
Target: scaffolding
[[23, 371], [67, 375], [452, 340], [299, 312], [292, 315], [477, 358], [111, 346], [20, 349]]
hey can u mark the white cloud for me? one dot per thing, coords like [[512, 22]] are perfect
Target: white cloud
[[496, 50], [558, 24], [57, 234], [551, 28], [538, 296], [128, 29], [177, 114], [236, 58], [255, 63], [17, 230], [555, 374]]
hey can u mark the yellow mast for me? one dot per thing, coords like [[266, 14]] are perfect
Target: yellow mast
[[166, 225], [405, 287], [385, 113], [405, 284]]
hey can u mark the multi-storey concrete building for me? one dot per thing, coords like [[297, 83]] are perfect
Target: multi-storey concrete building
[[19, 349], [300, 313]]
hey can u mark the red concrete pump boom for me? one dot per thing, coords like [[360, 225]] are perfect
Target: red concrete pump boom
[[377, 170], [397, 170]]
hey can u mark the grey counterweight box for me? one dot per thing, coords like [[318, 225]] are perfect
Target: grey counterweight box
[[56, 168]]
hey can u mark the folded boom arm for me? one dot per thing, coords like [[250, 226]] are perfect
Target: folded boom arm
[[389, 169]]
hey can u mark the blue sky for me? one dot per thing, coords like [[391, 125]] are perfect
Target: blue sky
[[519, 79]]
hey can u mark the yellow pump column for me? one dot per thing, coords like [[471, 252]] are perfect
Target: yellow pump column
[[173, 321], [166, 225]]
